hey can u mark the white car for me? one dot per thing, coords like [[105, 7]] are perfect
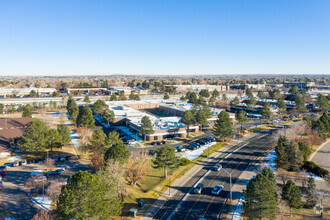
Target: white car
[[217, 167], [217, 189]]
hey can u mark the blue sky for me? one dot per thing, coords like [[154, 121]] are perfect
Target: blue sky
[[57, 37]]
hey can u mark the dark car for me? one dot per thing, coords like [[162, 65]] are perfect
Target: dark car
[[152, 152], [178, 149], [68, 157], [153, 143], [39, 160], [55, 172], [3, 172], [159, 143], [164, 141]]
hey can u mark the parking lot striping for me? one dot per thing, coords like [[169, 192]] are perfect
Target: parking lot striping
[[233, 171], [187, 194]]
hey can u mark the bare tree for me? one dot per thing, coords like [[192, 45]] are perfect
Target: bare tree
[[283, 175], [44, 215], [136, 168], [85, 135], [34, 182], [97, 160], [115, 170], [49, 163], [53, 191]]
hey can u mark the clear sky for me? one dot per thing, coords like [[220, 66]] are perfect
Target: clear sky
[[60, 37]]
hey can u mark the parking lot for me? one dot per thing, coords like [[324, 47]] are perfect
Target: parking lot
[[14, 194]]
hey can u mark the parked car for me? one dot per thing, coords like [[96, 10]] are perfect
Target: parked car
[[178, 149], [0, 184], [68, 157], [62, 158], [152, 152], [164, 141], [159, 143], [40, 178], [153, 143], [39, 160], [23, 162], [15, 163], [216, 190], [55, 172], [217, 167], [199, 188], [55, 158], [3, 172]]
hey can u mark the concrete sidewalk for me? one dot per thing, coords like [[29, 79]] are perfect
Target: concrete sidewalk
[[175, 187]]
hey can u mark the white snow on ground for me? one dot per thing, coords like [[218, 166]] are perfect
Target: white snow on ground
[[270, 160], [13, 158], [315, 177], [239, 210], [192, 154], [55, 114], [36, 172], [98, 118], [74, 139], [42, 201]]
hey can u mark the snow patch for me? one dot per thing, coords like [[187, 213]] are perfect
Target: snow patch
[[42, 201], [270, 160], [74, 139], [192, 154], [239, 209], [13, 158]]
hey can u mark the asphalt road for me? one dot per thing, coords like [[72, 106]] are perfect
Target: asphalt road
[[321, 157], [205, 205]]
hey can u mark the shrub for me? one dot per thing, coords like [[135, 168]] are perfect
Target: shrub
[[315, 169], [184, 161]]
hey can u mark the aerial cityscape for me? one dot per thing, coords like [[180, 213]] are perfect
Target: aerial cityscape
[[167, 110]]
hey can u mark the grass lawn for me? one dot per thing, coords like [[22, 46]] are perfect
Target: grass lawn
[[155, 184], [259, 128]]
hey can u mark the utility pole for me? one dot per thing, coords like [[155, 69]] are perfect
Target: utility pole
[[231, 194]]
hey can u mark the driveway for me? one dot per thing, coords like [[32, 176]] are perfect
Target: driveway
[[321, 157]]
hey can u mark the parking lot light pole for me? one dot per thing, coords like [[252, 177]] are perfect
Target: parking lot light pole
[[231, 194]]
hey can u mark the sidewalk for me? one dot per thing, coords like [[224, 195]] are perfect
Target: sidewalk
[[152, 211]]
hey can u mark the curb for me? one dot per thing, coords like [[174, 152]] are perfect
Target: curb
[[319, 148]]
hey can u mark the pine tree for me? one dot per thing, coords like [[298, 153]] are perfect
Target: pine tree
[[281, 107], [35, 137], [146, 127], [323, 102], [282, 160], [98, 141], [117, 152], [222, 126], [99, 106], [85, 117], [269, 173], [311, 193], [166, 96], [260, 200], [292, 194], [188, 119], [27, 112], [72, 109], [235, 101], [64, 133], [108, 116], [54, 139], [249, 93], [215, 93], [265, 111], [300, 104], [166, 158], [86, 99]]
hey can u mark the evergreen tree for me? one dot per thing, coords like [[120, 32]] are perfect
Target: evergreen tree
[[204, 93], [113, 138], [165, 158], [224, 97], [312, 197], [215, 93], [281, 107], [248, 93], [146, 127], [98, 141], [269, 173], [117, 152], [108, 116], [300, 104], [27, 112], [240, 117], [166, 96], [88, 196], [282, 160], [188, 119], [54, 139], [201, 117], [261, 94], [113, 97], [35, 137], [222, 126], [265, 111], [260, 200], [188, 94], [64, 133], [193, 98], [86, 99], [99, 106], [323, 102], [85, 117], [292, 194], [2, 107], [72, 109], [235, 101], [251, 102]]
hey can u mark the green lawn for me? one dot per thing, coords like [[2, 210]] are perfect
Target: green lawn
[[259, 128]]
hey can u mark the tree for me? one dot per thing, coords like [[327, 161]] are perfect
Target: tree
[[33, 93], [99, 106], [204, 93], [166, 96], [113, 97], [88, 196], [282, 160], [44, 215], [193, 98], [98, 141], [146, 127], [85, 117], [281, 107], [27, 112], [248, 93], [108, 116], [2, 107], [113, 138], [312, 197], [269, 173], [35, 137], [64, 133], [323, 102], [183, 98], [224, 98], [188, 119], [235, 101], [260, 200], [300, 104], [240, 116], [54, 139], [201, 117], [265, 111], [215, 93], [86, 99], [72, 109], [251, 102], [133, 96], [165, 158], [292, 194], [117, 152], [222, 126], [136, 168], [53, 191]]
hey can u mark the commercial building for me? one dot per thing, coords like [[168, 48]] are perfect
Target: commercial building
[[85, 90], [185, 88], [6, 91]]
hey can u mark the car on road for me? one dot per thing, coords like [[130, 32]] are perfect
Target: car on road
[[217, 167], [3, 170], [15, 163], [217, 189], [199, 188], [55, 172]]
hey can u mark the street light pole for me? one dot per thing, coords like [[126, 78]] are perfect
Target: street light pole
[[231, 194]]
